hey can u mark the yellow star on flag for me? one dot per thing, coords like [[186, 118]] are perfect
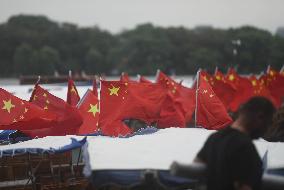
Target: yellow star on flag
[[8, 105], [114, 90], [253, 83], [45, 95], [93, 109], [231, 77]]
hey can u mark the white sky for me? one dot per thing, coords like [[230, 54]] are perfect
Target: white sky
[[116, 15]]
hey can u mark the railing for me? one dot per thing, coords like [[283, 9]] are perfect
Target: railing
[[198, 171]]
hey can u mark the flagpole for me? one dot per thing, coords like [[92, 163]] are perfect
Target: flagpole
[[268, 69], [282, 69], [196, 94], [70, 74], [138, 77], [33, 92], [157, 75], [216, 70], [38, 80]]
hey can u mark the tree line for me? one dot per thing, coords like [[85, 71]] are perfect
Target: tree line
[[37, 45]]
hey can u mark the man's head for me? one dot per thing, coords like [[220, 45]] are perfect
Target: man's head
[[256, 116]]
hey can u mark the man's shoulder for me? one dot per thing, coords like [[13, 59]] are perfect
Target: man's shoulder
[[231, 136]]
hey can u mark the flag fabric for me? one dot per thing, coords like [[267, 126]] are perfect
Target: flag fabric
[[219, 76], [259, 89], [89, 109], [210, 111], [72, 94], [68, 118], [171, 114], [142, 79], [224, 90], [18, 114], [243, 87], [128, 100], [124, 77], [275, 84], [182, 97]]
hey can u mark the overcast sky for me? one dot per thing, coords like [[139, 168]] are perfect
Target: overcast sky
[[116, 15]]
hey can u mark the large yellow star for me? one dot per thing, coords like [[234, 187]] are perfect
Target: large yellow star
[[8, 105], [114, 90], [94, 109]]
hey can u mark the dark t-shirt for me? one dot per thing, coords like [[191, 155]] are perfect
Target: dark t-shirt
[[231, 156]]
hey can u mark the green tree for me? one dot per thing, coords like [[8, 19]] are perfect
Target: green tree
[[94, 61], [48, 58], [23, 60]]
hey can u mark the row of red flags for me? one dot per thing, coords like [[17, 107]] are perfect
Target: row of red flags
[[233, 89], [164, 102]]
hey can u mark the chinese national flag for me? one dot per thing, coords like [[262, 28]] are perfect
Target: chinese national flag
[[243, 87], [68, 118], [210, 111], [19, 114], [275, 84], [260, 89], [128, 100], [72, 94], [89, 109], [182, 96], [224, 90]]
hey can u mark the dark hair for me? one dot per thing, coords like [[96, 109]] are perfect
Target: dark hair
[[257, 114]]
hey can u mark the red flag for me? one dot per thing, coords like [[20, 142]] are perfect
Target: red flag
[[275, 84], [124, 77], [142, 79], [243, 87], [224, 90], [72, 94], [132, 100], [232, 77], [89, 109], [182, 96], [19, 114], [219, 76], [68, 118], [259, 89], [171, 114], [210, 111]]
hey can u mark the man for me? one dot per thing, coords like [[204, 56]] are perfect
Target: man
[[230, 156]]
